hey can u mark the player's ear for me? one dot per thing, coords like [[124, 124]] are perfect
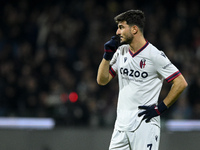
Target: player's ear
[[134, 29]]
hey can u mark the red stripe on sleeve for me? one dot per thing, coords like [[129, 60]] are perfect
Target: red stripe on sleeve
[[112, 72], [173, 76]]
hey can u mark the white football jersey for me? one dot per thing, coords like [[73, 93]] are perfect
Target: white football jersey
[[140, 78]]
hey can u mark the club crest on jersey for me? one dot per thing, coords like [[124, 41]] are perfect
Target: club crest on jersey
[[125, 59], [142, 63]]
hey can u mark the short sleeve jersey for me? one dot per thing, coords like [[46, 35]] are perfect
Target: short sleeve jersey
[[140, 76]]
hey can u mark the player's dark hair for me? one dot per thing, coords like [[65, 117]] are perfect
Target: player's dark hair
[[132, 17]]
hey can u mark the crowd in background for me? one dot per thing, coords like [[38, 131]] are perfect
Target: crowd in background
[[49, 49]]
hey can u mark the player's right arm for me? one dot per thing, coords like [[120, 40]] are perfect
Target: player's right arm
[[103, 75], [110, 47]]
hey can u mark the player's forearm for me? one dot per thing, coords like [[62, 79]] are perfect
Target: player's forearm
[[103, 72], [178, 86]]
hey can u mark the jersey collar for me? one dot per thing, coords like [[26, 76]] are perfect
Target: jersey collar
[[141, 49]]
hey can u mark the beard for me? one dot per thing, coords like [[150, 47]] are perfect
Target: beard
[[127, 39]]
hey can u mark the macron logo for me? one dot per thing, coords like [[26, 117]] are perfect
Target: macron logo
[[125, 59]]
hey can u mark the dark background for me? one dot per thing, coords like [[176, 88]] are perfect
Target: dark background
[[49, 49]]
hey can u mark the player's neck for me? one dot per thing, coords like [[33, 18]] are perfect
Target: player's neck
[[137, 43]]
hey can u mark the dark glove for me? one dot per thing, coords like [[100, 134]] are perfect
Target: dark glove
[[110, 47], [152, 111]]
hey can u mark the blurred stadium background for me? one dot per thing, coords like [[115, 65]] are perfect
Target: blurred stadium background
[[49, 56]]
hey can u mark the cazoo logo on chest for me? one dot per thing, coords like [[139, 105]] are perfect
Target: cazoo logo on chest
[[133, 73]]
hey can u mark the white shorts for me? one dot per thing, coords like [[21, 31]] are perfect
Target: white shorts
[[145, 137]]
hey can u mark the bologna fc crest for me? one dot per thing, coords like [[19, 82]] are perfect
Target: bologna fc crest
[[142, 63]]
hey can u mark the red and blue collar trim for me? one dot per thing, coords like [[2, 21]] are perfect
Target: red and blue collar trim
[[141, 49]]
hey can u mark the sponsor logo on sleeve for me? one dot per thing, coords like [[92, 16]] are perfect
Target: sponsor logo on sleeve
[[167, 65]]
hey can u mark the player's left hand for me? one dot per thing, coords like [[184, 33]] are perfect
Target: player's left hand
[[152, 111]]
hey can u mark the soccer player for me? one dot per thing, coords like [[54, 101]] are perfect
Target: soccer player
[[141, 69]]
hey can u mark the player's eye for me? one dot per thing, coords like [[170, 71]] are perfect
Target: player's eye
[[121, 27]]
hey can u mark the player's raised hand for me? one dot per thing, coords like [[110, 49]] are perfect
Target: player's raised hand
[[152, 111], [110, 47]]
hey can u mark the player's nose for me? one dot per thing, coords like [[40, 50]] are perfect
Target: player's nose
[[118, 32]]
